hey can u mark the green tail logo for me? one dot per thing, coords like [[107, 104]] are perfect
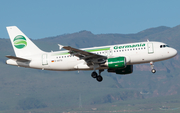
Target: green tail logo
[[20, 42]]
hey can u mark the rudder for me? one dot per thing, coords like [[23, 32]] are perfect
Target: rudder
[[22, 45]]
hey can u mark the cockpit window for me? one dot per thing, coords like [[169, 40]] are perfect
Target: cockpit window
[[163, 46]]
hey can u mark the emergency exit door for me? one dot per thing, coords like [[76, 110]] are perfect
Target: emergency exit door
[[150, 48]]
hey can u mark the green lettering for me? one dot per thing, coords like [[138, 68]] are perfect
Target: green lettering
[[121, 47], [115, 47], [133, 45], [128, 46], [137, 45]]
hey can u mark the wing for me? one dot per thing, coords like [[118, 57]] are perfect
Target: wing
[[90, 58]]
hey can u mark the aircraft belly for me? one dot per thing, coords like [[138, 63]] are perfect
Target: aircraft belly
[[82, 65]]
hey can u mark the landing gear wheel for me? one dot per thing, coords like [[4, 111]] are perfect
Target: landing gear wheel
[[94, 74], [152, 67], [99, 78], [153, 71]]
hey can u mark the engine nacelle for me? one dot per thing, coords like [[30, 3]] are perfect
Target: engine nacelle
[[127, 70], [118, 62]]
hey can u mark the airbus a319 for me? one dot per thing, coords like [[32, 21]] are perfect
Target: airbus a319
[[118, 58]]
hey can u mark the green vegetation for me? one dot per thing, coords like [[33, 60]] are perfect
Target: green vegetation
[[25, 90]]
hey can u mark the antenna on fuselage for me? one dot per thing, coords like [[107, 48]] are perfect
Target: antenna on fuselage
[[147, 40]]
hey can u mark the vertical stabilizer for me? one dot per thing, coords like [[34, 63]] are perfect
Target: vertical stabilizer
[[22, 45]]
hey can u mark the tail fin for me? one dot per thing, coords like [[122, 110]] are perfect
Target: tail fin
[[22, 45]]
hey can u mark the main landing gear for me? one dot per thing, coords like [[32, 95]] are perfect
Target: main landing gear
[[152, 67], [99, 78]]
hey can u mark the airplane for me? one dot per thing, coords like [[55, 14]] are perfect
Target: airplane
[[118, 58]]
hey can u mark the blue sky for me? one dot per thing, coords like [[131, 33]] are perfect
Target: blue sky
[[45, 18]]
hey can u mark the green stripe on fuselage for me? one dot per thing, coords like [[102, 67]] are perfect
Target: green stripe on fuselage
[[88, 50], [98, 49], [64, 53]]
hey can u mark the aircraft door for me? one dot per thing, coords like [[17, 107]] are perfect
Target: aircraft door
[[150, 48], [44, 59]]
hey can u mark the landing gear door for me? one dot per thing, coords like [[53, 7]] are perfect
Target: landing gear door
[[150, 48], [44, 59]]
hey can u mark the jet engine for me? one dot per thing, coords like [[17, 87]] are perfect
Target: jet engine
[[118, 62], [127, 70]]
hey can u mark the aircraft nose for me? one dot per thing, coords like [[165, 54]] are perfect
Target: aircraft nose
[[173, 52]]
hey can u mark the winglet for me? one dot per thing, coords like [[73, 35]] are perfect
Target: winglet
[[60, 46]]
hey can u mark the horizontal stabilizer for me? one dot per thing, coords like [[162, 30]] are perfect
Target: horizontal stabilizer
[[18, 58]]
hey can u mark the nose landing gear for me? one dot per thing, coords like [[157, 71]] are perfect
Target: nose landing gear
[[153, 71], [152, 67]]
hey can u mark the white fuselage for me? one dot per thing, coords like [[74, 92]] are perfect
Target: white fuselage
[[135, 53]]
